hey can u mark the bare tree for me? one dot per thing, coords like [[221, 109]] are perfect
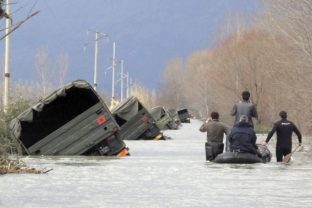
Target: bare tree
[[291, 21], [145, 95], [62, 64], [50, 74], [172, 91], [18, 24], [3, 13], [270, 56], [43, 68], [198, 74]]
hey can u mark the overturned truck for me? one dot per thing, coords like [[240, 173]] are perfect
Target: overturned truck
[[73, 120], [135, 121]]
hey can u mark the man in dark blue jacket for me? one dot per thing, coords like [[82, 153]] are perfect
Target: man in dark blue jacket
[[242, 137], [284, 129]]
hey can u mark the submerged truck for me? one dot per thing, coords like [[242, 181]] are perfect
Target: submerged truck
[[72, 120], [135, 121], [163, 119], [184, 115], [173, 113]]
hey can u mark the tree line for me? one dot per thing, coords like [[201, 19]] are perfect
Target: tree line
[[269, 55]]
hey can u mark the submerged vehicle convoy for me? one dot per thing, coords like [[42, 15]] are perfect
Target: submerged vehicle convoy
[[135, 121], [72, 120]]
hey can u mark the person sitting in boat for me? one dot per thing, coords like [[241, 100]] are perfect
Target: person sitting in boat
[[243, 138], [215, 133]]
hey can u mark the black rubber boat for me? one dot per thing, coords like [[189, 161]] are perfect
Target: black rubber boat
[[242, 157]]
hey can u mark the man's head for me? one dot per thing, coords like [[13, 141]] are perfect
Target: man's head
[[214, 115], [246, 95], [283, 114], [243, 118]]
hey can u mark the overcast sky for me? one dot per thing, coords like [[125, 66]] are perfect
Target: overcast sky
[[148, 34]]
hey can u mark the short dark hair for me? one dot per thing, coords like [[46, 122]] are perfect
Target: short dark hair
[[283, 114], [246, 95], [214, 115]]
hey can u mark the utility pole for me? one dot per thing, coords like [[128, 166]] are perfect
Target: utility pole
[[96, 60], [98, 37], [7, 58], [113, 74], [121, 79]]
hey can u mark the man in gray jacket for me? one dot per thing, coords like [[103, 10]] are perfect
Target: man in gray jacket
[[244, 107], [215, 132]]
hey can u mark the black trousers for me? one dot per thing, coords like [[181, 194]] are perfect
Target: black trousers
[[281, 152]]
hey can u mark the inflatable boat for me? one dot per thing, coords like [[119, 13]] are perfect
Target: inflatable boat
[[237, 157], [242, 157]]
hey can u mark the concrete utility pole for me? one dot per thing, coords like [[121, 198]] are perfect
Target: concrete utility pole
[[7, 58], [96, 60], [121, 79], [98, 36], [113, 71]]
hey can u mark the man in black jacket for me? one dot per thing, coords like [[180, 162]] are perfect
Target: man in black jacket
[[243, 138], [284, 129]]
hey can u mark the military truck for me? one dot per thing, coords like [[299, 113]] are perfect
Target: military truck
[[163, 119], [135, 121], [184, 115], [173, 113], [72, 120]]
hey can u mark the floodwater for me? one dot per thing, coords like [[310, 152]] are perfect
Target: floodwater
[[171, 173]]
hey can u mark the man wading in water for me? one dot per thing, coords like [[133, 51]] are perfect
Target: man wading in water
[[215, 132], [284, 129]]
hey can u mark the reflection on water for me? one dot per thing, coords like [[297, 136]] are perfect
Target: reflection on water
[[170, 173]]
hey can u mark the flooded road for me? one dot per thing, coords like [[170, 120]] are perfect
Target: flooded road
[[171, 173]]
